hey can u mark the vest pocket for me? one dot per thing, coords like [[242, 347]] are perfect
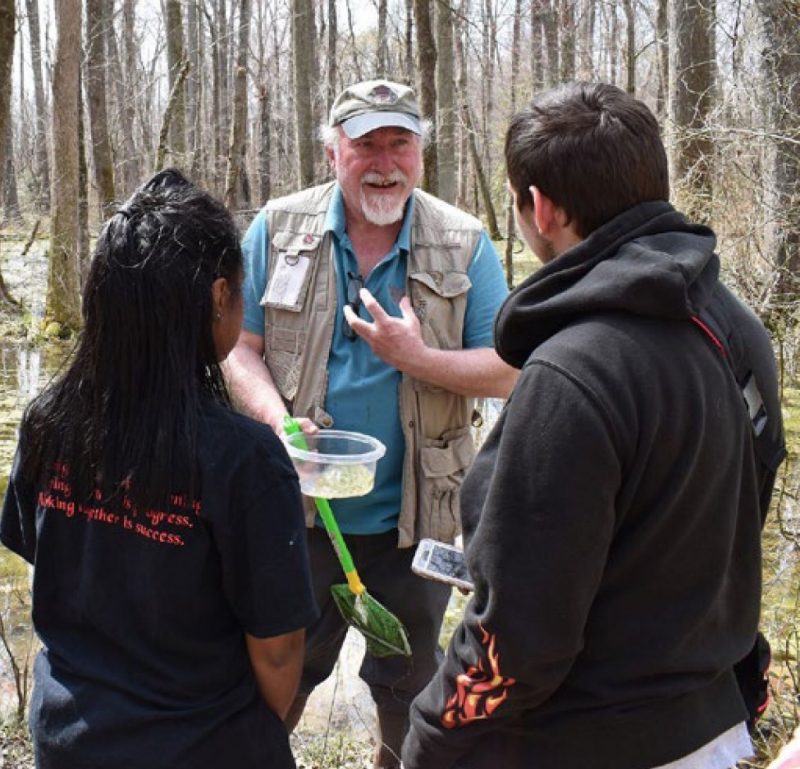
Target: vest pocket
[[444, 463], [444, 284], [283, 352], [440, 301]]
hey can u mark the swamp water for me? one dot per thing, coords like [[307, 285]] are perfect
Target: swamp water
[[24, 369]]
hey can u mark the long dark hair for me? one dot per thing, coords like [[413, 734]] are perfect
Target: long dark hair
[[124, 414]]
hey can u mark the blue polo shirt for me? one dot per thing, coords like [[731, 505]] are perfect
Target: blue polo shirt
[[362, 388]]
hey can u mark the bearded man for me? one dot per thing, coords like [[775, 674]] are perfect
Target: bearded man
[[369, 306]]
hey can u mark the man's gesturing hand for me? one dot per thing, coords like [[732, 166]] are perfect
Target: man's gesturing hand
[[398, 341]]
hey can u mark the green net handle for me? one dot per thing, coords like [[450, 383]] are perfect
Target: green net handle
[[292, 427]]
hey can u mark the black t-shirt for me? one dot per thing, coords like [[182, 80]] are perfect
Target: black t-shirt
[[142, 614]]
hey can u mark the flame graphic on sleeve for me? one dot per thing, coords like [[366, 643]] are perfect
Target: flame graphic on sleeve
[[479, 691]]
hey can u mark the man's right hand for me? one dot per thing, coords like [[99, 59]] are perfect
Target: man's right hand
[[306, 425]]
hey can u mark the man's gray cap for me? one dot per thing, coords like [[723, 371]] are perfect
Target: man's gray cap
[[373, 104]]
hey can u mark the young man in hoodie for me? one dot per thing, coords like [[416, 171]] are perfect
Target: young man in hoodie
[[612, 519]]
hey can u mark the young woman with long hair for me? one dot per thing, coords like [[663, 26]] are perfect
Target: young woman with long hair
[[170, 585]]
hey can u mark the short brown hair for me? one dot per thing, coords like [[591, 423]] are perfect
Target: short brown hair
[[593, 149]]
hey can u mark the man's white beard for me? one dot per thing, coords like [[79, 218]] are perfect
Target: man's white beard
[[381, 209]]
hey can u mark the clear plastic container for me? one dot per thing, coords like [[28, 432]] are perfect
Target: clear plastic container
[[335, 463]]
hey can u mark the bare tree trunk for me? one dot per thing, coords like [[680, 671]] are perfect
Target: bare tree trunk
[[203, 125], [265, 107], [585, 62], [175, 60], [193, 82], [220, 116], [409, 41], [630, 45], [284, 171], [510, 234], [7, 33], [8, 182], [320, 162], [445, 92], [224, 21], [10, 193], [216, 92], [466, 119], [480, 176], [463, 167], [238, 140], [382, 53], [567, 59], [613, 46], [459, 15], [426, 88], [42, 164], [169, 114], [320, 33], [63, 302], [691, 98], [264, 180], [301, 46], [96, 87], [83, 191], [550, 30], [662, 58], [145, 101], [125, 147], [23, 102], [537, 45], [129, 161], [353, 46], [489, 50], [781, 79], [333, 33]]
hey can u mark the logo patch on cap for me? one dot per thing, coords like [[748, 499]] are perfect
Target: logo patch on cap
[[382, 94]]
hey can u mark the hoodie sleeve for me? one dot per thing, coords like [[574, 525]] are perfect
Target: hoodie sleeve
[[542, 490]]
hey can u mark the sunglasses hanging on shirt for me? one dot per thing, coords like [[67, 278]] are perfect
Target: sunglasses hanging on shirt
[[354, 285]]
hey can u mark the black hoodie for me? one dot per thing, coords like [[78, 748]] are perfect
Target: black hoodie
[[612, 519]]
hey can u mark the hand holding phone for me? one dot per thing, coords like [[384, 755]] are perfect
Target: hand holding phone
[[442, 562]]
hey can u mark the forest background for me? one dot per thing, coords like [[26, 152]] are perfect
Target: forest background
[[97, 94]]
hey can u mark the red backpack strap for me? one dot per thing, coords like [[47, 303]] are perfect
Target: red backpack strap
[[710, 334]]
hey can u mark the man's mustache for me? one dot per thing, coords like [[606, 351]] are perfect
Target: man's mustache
[[373, 177]]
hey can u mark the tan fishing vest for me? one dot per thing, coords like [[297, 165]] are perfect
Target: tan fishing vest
[[297, 342]]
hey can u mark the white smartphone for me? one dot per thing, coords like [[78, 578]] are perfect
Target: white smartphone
[[442, 562]]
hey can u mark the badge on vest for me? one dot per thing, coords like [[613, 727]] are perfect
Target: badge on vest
[[286, 284], [288, 281]]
